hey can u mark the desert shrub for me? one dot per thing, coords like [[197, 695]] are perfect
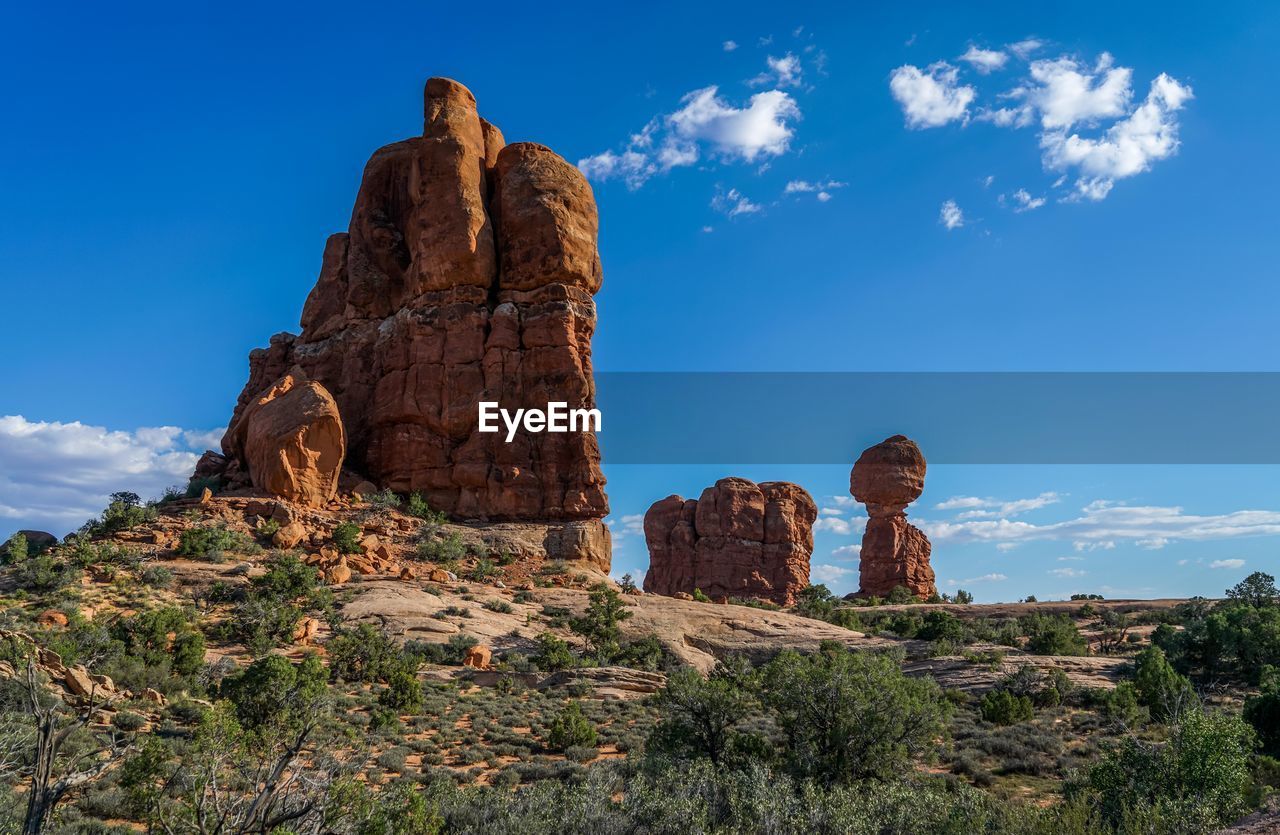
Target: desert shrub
[[1262, 712], [552, 654], [403, 693], [450, 653], [346, 538], [483, 570], [963, 597], [156, 576], [366, 654], [162, 639], [940, 625], [45, 573], [1052, 635], [701, 596], [1199, 777], [274, 690], [1159, 687], [647, 653], [442, 551], [196, 486], [815, 602], [383, 500], [900, 595], [268, 614], [499, 606], [627, 584], [15, 550], [849, 715], [570, 728], [209, 541], [1000, 707], [418, 507], [700, 716]]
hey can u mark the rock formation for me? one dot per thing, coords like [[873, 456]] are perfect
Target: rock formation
[[467, 274], [886, 478], [739, 539], [291, 441]]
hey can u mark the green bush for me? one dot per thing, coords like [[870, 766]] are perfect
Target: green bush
[[1052, 635], [940, 625], [570, 728], [552, 654], [1159, 687], [418, 507], [600, 626], [1262, 712], [1000, 707], [272, 690], [403, 693], [209, 541], [346, 538]]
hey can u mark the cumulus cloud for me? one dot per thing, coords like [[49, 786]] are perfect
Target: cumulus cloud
[[950, 215], [1067, 572], [705, 125], [730, 46], [847, 552], [1227, 564], [1129, 147], [827, 573], [1089, 130], [820, 189], [54, 475], [1102, 524], [931, 97], [985, 61]]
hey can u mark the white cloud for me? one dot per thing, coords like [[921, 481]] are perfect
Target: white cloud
[[1070, 559], [985, 578], [931, 97], [842, 501], [1025, 47], [1065, 92], [831, 511], [847, 552], [705, 124], [630, 525], [1025, 202], [1006, 546], [54, 476], [730, 46], [734, 203], [1129, 147], [820, 189], [951, 215], [827, 573], [985, 61], [1155, 543], [1067, 572], [784, 72], [975, 507], [1103, 524], [1227, 564]]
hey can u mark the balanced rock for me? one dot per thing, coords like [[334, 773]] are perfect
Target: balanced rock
[[739, 539], [886, 478], [466, 275], [290, 440]]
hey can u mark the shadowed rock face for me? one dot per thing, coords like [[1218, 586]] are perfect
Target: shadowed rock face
[[886, 478], [466, 274], [739, 539]]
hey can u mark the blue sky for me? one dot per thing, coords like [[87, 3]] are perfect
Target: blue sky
[[168, 177]]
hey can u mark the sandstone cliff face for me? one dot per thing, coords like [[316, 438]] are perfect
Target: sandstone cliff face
[[739, 539], [887, 477], [467, 274]]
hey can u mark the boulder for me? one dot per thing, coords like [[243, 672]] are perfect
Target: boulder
[[306, 631], [77, 680], [466, 274], [290, 440], [38, 541], [886, 478], [50, 618], [289, 536], [739, 539], [338, 573], [478, 657]]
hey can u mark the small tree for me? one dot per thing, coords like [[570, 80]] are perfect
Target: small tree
[[600, 624], [1257, 590], [1159, 687], [346, 538], [570, 728], [849, 716], [700, 714], [15, 550], [1000, 707]]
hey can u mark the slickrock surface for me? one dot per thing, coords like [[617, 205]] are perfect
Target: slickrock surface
[[886, 478], [467, 274], [739, 539]]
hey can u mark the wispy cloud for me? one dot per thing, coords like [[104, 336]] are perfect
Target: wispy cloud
[[1233, 563]]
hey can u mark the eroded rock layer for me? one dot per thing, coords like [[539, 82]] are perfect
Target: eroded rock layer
[[886, 478], [467, 274], [739, 539]]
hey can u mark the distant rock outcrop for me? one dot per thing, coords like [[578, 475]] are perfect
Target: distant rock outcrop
[[739, 539], [466, 275], [886, 478]]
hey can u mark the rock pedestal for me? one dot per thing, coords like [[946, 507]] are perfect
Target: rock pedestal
[[886, 478], [739, 539]]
